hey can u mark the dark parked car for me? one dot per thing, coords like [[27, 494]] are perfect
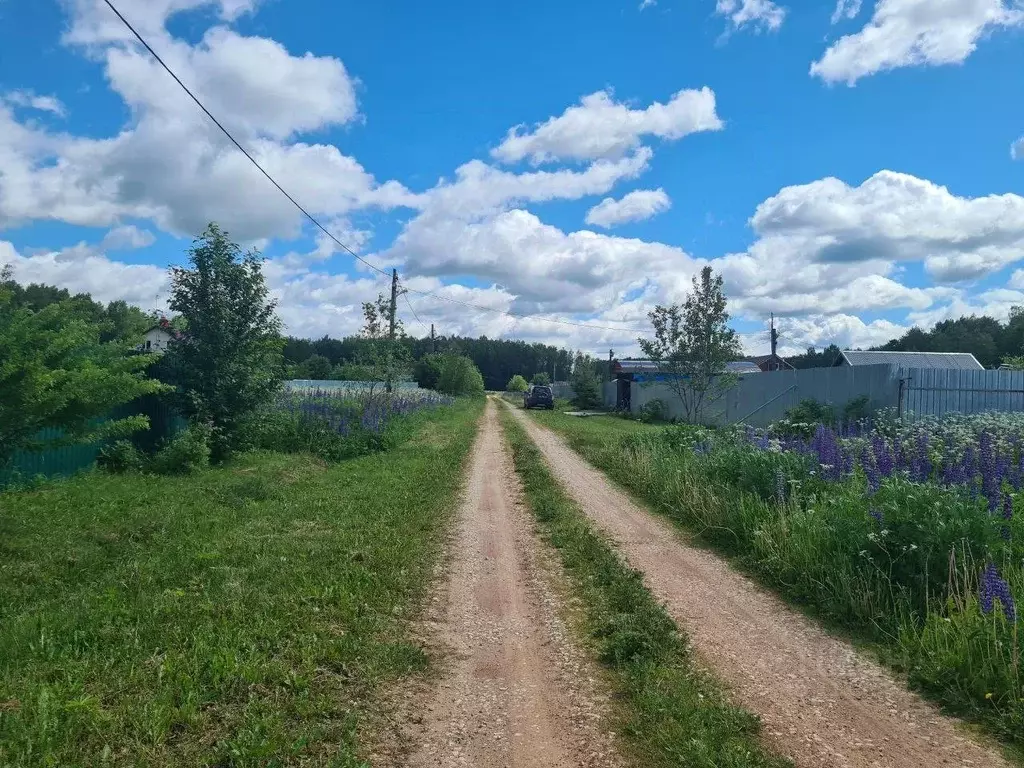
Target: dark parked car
[[539, 396]]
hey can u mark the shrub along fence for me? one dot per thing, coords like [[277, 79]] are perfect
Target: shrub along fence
[[62, 460]]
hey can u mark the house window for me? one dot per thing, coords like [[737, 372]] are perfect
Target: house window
[[149, 344]]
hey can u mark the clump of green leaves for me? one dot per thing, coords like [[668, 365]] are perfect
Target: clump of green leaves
[[459, 376], [517, 384], [229, 362], [56, 371]]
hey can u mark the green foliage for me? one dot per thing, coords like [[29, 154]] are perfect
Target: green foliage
[[118, 321], [803, 418], [541, 378], [517, 384], [427, 371], [315, 368], [186, 453], [826, 358], [497, 359], [250, 615], [120, 457], [459, 377], [278, 430], [1014, 362], [693, 343], [672, 712], [55, 371], [229, 365], [653, 410], [586, 385]]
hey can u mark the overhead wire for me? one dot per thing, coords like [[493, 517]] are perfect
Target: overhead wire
[[324, 229], [235, 141]]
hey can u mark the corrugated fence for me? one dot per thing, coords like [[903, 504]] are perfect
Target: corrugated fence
[[761, 398], [64, 460]]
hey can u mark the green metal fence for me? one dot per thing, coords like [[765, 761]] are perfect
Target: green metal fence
[[66, 460]]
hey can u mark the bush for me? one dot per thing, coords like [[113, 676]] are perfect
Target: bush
[[803, 419], [120, 456], [653, 410], [586, 391], [184, 454], [856, 410], [541, 378], [427, 371], [460, 376], [517, 384]]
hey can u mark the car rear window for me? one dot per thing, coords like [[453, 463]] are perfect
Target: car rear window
[[542, 390]]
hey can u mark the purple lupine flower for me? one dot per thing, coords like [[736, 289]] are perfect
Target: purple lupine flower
[[1007, 507], [995, 588], [877, 516], [883, 457]]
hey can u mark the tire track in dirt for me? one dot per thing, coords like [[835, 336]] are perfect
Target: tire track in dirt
[[821, 703], [514, 690]]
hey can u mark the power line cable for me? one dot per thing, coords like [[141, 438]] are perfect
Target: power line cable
[[313, 219], [405, 295], [234, 141]]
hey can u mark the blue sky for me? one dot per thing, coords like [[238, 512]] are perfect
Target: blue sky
[[849, 168]]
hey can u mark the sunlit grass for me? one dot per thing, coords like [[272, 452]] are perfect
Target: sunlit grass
[[245, 616]]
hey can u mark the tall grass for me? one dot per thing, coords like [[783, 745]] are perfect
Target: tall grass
[[244, 616], [924, 571]]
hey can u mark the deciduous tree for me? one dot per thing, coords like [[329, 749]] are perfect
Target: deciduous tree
[[692, 344], [229, 362]]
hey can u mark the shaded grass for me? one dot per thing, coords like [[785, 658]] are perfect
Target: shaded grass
[[241, 617], [814, 555], [672, 713]]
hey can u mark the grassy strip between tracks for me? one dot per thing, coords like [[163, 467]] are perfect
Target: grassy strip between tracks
[[245, 616], [672, 713]]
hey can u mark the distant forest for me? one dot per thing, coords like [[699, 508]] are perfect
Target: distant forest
[[498, 359], [989, 340]]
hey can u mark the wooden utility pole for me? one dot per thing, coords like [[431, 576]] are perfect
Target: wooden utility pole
[[433, 343], [394, 303], [773, 361], [391, 323]]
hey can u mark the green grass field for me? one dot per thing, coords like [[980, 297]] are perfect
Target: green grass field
[[671, 712], [241, 617]]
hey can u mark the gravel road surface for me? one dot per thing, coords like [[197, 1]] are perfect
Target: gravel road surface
[[515, 691]]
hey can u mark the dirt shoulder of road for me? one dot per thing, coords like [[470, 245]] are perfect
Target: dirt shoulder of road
[[512, 687], [821, 703]]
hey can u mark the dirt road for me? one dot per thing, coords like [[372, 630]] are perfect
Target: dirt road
[[820, 702], [515, 691]]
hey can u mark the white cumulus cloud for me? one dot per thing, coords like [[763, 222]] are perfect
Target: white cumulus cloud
[[600, 127], [1017, 149], [906, 33], [757, 14], [638, 205], [846, 9], [31, 100]]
